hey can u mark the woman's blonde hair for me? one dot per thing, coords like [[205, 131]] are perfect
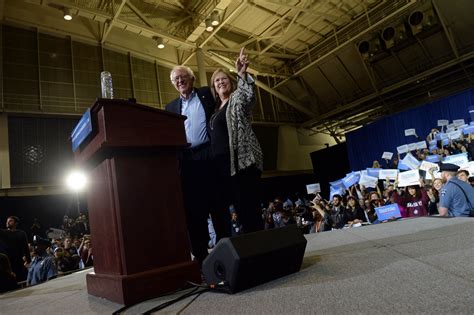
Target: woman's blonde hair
[[213, 89]]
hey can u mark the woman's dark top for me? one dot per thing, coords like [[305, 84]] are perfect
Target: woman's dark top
[[355, 213], [219, 133]]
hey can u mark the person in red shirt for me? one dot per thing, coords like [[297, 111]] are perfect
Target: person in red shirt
[[415, 201]]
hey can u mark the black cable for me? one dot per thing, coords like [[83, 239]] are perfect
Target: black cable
[[186, 286], [166, 304]]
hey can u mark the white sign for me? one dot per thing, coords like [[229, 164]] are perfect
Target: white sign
[[410, 132], [470, 168], [410, 161], [421, 145], [426, 166], [458, 122], [456, 134], [412, 146], [436, 174], [390, 174], [409, 178], [54, 234], [368, 181], [442, 122], [457, 159], [402, 149], [313, 188], [387, 155]]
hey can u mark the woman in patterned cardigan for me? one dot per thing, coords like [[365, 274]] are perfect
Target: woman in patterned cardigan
[[237, 154]]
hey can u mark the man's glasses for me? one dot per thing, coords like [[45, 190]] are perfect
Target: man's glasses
[[179, 77]]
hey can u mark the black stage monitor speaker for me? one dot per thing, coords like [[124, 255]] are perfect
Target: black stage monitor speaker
[[244, 261]]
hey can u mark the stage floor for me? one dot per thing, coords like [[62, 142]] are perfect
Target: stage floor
[[423, 265]]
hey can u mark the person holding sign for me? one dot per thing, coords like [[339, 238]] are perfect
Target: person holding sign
[[236, 151], [415, 201]]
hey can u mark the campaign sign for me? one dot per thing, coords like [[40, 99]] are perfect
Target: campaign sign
[[313, 188], [402, 149], [412, 146], [368, 181], [410, 161], [426, 166], [374, 172], [337, 184], [441, 136], [390, 174], [421, 145], [432, 158], [468, 130], [387, 155], [350, 179], [335, 191], [410, 132], [457, 159], [388, 211], [82, 130], [458, 122], [402, 167], [409, 178], [442, 122], [456, 134]]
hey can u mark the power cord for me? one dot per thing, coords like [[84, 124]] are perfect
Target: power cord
[[186, 286], [220, 287]]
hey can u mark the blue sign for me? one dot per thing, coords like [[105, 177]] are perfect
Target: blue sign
[[335, 191], [374, 172], [387, 212], [468, 130], [403, 167], [350, 180], [432, 158], [445, 141], [82, 130], [441, 136], [337, 184]]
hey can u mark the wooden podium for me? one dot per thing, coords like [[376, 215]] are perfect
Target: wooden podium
[[137, 221]]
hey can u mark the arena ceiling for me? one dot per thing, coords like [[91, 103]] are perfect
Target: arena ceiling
[[338, 64]]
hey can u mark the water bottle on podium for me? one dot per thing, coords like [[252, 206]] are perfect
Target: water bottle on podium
[[106, 84]]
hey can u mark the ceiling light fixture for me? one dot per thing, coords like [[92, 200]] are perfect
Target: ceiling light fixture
[[159, 42], [67, 14], [215, 18], [209, 26]]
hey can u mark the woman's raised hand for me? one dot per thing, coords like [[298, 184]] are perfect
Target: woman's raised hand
[[242, 63]]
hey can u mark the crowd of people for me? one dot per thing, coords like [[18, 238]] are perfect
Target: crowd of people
[[445, 190], [25, 263]]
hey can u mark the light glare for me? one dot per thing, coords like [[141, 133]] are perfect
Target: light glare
[[76, 181]]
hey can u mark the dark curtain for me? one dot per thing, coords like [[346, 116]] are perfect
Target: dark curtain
[[367, 144], [329, 164]]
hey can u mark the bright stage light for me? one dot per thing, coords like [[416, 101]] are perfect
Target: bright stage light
[[76, 181]]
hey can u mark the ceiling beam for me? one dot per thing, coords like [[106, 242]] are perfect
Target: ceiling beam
[[390, 88], [112, 22], [125, 24], [139, 14], [351, 40], [252, 52], [299, 106]]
